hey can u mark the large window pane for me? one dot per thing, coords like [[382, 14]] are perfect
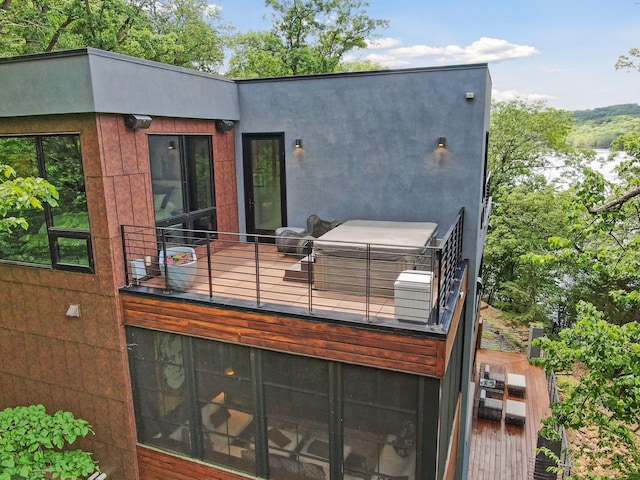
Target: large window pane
[[166, 176], [161, 393], [32, 245], [182, 181], [60, 235], [225, 402], [380, 419], [297, 409]]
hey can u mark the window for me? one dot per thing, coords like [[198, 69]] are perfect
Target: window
[[276, 415], [57, 236], [380, 422], [182, 181]]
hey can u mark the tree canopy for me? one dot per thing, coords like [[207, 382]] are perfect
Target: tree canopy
[[308, 36], [178, 32], [607, 396]]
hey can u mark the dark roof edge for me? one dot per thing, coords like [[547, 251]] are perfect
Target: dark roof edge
[[88, 51], [365, 73]]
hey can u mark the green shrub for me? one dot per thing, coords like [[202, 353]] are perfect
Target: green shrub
[[33, 445]]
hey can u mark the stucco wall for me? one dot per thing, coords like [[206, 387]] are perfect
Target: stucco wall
[[370, 143]]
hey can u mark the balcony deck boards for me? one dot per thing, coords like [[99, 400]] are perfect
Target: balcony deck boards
[[500, 451], [233, 276]]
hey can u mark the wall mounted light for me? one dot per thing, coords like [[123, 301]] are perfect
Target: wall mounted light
[[442, 142], [137, 121], [298, 143], [172, 145], [224, 125]]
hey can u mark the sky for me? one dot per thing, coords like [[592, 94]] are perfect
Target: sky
[[562, 52]]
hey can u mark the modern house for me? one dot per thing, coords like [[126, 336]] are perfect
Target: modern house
[[163, 302]]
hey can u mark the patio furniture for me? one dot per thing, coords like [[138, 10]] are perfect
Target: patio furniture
[[492, 379], [516, 384], [489, 408], [515, 412]]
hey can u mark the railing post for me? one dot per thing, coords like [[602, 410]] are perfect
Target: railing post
[[210, 275], [126, 257], [441, 276], [309, 251], [368, 284], [257, 261], [163, 243]]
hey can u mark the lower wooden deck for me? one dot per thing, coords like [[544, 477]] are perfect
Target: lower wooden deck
[[500, 451]]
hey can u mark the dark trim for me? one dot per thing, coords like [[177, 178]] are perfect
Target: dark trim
[[276, 310], [473, 66]]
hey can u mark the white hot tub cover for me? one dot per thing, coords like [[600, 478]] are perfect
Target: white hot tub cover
[[387, 239]]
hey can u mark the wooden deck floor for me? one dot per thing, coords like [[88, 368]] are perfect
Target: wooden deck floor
[[500, 451]]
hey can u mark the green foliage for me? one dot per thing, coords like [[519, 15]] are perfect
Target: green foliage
[[178, 32], [34, 445], [523, 136], [602, 133], [21, 193], [308, 36], [630, 61], [607, 397], [604, 114]]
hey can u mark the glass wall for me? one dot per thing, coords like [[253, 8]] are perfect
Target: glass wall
[[56, 236], [276, 415]]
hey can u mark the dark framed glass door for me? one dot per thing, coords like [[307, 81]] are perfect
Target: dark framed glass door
[[183, 181], [264, 182]]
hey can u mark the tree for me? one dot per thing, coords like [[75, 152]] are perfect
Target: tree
[[520, 274], [606, 397], [178, 32], [34, 445], [21, 193], [308, 36], [523, 138], [629, 62]]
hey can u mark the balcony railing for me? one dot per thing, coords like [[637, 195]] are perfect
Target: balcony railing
[[414, 288]]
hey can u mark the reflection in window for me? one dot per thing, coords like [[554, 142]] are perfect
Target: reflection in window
[[182, 181], [57, 236], [297, 406], [225, 402], [380, 420]]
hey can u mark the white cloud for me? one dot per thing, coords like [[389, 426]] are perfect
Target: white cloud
[[508, 95], [484, 50], [382, 43], [212, 10]]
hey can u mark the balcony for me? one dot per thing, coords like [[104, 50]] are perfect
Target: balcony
[[416, 290]]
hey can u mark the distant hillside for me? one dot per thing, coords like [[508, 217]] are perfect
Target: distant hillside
[[597, 128], [601, 114]]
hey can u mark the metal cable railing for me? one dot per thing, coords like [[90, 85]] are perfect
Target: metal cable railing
[[248, 270]]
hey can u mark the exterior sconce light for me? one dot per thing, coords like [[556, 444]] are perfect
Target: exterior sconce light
[[298, 143], [442, 142], [134, 121], [172, 145], [224, 125]]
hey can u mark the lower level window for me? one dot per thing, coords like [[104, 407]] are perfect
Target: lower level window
[[270, 414]]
